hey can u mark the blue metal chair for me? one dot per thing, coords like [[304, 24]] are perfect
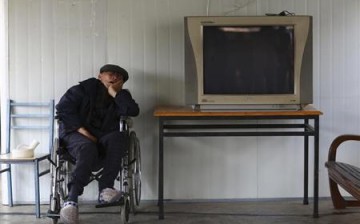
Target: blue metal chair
[[31, 117]]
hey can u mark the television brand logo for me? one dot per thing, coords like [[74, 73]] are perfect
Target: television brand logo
[[207, 22]]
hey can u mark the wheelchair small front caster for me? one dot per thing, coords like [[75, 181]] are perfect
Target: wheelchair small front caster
[[55, 220], [125, 210]]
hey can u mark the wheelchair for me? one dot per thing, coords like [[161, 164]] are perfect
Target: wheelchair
[[129, 176]]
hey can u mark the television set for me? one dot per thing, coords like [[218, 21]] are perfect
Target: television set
[[248, 62]]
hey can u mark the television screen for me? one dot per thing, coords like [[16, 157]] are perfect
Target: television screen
[[248, 59]]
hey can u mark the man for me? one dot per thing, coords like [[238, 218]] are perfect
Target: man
[[89, 115]]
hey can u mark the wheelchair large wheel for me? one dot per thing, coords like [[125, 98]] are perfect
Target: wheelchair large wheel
[[59, 180], [55, 206], [134, 172]]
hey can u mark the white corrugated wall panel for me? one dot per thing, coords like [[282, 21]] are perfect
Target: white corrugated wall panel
[[53, 44]]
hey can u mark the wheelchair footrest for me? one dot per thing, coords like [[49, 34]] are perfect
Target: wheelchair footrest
[[115, 203], [52, 214]]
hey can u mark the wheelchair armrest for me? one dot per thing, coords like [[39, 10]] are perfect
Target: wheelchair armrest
[[125, 123], [337, 142]]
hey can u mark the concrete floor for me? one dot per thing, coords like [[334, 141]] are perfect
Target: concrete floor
[[207, 212]]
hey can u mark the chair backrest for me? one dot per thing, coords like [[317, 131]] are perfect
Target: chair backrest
[[30, 116]]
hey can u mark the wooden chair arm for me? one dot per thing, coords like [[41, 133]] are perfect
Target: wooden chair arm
[[336, 143]]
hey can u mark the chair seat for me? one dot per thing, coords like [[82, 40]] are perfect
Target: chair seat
[[9, 158]]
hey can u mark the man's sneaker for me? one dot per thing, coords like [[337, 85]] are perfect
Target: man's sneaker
[[109, 195], [69, 214]]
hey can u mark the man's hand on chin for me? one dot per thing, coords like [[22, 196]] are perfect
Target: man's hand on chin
[[115, 87]]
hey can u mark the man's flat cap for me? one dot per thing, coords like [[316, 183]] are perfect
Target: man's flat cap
[[116, 69]]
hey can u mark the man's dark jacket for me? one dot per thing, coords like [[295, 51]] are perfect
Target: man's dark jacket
[[89, 105]]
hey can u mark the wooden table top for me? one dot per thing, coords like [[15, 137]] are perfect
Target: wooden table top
[[183, 111]]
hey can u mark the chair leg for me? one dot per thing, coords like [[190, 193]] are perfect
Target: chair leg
[[9, 183], [338, 201], [37, 190]]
